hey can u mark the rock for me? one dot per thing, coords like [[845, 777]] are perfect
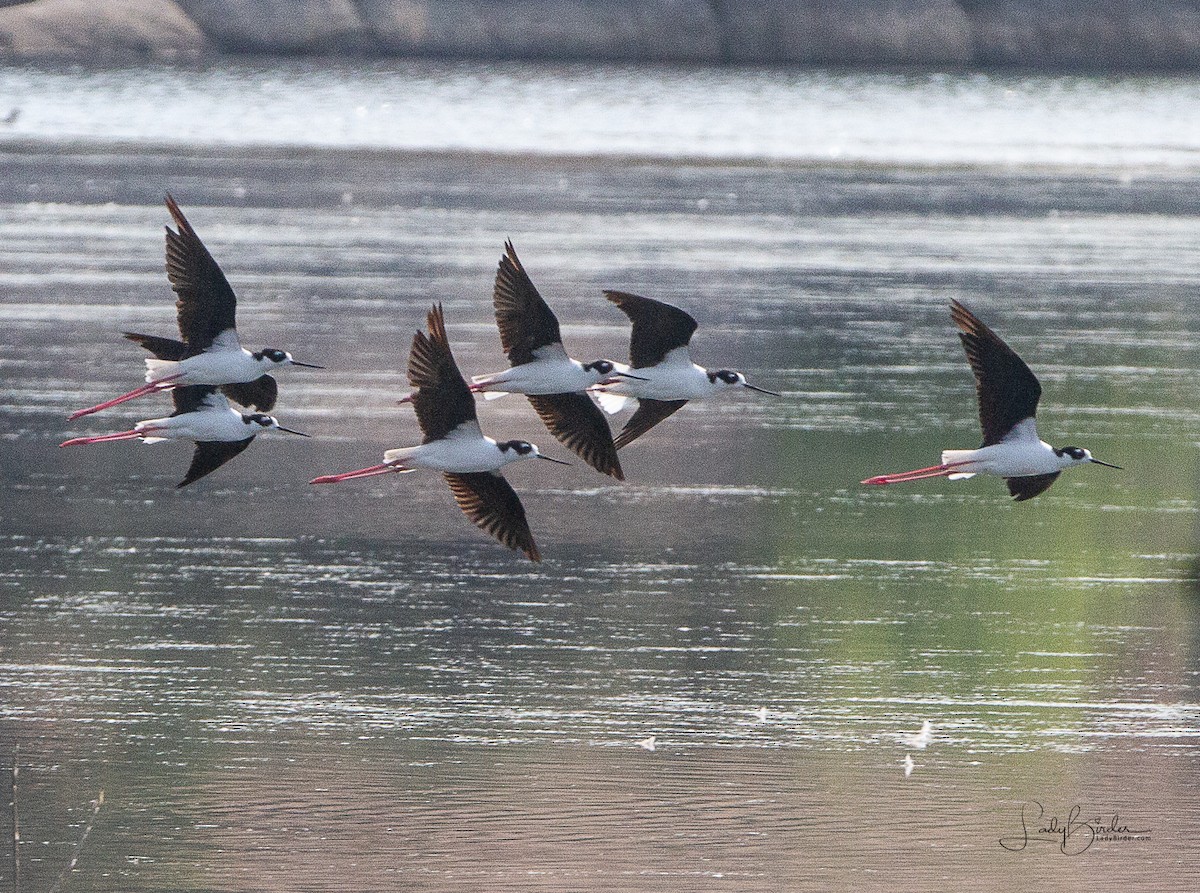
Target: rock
[[279, 26], [642, 30], [883, 32], [1089, 34], [100, 32]]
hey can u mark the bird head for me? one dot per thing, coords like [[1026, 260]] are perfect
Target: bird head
[[275, 357], [608, 372], [257, 423], [727, 378], [516, 450], [1071, 455]]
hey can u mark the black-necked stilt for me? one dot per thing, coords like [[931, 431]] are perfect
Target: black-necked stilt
[[667, 377], [210, 353], [454, 445], [1008, 395], [205, 416], [555, 384]]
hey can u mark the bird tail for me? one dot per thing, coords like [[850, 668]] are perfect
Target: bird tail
[[611, 403], [398, 456], [955, 457], [157, 370]]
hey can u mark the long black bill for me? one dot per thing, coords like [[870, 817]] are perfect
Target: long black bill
[[760, 390], [290, 431], [549, 459], [627, 375], [1108, 465], [306, 365]]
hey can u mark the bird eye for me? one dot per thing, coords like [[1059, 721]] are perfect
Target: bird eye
[[728, 377], [605, 367]]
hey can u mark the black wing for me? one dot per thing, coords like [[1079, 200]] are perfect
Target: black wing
[[1027, 487], [492, 505], [524, 319], [649, 413], [578, 422], [211, 455], [260, 393], [163, 348], [190, 398], [658, 328], [206, 305], [1008, 391], [442, 401]]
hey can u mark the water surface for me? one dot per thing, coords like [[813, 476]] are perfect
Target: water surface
[[282, 687]]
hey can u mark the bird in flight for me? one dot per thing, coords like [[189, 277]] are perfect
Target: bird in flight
[[1008, 394], [454, 444], [666, 376], [210, 352]]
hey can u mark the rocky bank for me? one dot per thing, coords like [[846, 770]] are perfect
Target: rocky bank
[[1044, 34]]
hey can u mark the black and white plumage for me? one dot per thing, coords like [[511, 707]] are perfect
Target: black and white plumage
[[204, 416], [209, 352], [555, 383], [666, 376], [454, 444], [1008, 393]]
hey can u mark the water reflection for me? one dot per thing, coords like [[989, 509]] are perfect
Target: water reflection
[[279, 688]]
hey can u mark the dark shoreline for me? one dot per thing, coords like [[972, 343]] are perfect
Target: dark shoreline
[[1050, 35]]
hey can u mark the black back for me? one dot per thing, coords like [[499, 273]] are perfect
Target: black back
[[206, 304], [658, 328], [579, 424], [211, 455], [525, 321], [492, 505], [442, 401], [649, 413], [1008, 391]]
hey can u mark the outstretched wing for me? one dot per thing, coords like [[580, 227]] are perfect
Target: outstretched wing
[[260, 393], [191, 398], [578, 422], [658, 328], [1029, 486], [211, 455], [442, 400], [649, 413], [525, 321], [206, 305], [163, 348], [1008, 391], [492, 505]]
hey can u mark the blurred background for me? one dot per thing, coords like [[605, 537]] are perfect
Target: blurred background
[[282, 687]]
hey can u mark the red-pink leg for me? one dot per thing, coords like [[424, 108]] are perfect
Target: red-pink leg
[[407, 398], [933, 471], [102, 438], [360, 473], [161, 384]]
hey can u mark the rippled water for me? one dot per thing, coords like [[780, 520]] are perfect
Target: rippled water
[[677, 112], [281, 687]]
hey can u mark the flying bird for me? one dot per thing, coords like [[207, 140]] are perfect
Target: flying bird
[[205, 416], [555, 384], [454, 444], [666, 376], [1008, 394], [210, 352]]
